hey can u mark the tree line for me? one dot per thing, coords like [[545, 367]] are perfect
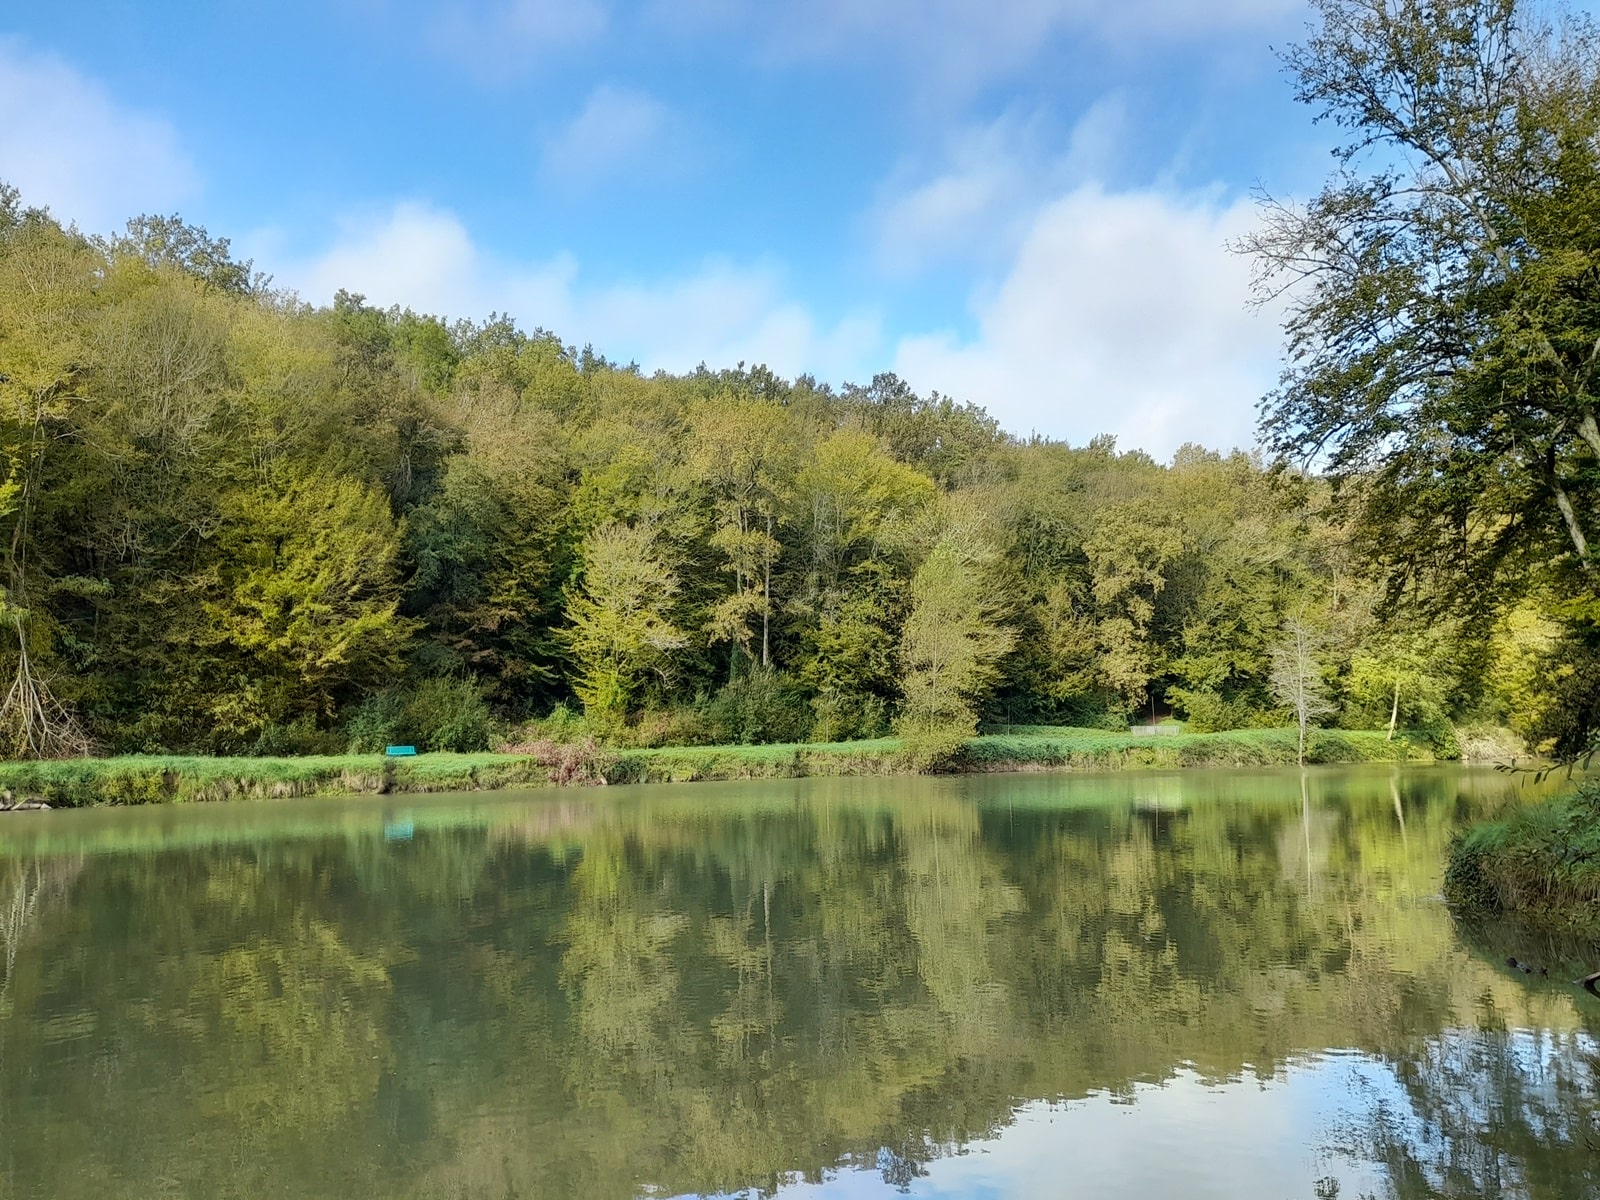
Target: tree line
[[234, 522]]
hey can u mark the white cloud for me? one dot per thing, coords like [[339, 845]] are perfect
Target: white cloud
[[617, 131], [1122, 313], [1098, 310], [414, 255], [720, 313], [506, 37], [958, 45], [979, 198], [69, 145]]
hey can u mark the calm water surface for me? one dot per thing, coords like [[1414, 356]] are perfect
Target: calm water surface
[[1139, 985]]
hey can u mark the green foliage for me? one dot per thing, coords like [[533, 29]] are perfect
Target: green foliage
[[233, 523], [450, 715], [680, 725], [1206, 711], [1541, 862], [841, 716], [761, 706], [954, 639], [440, 714], [1440, 288], [934, 748], [305, 593], [620, 630], [299, 737]]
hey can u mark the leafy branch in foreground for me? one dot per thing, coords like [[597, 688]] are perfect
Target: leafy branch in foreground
[[1443, 289]]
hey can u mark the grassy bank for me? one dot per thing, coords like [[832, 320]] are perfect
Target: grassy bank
[[158, 779], [1540, 864]]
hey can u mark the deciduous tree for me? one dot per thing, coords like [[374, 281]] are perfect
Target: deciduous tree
[[1443, 289]]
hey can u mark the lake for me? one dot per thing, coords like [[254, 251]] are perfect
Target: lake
[[1212, 984]]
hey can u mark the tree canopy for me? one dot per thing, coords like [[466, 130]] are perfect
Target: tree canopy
[[1441, 290], [235, 522]]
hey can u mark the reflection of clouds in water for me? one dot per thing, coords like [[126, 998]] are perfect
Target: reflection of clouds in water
[[1460, 1112], [1183, 1137]]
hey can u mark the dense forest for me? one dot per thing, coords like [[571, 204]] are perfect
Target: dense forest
[[235, 522]]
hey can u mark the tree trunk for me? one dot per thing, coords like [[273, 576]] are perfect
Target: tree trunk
[[1587, 428], [1394, 713], [1574, 530]]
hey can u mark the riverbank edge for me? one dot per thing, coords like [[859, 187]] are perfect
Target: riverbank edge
[[166, 779], [1538, 865]]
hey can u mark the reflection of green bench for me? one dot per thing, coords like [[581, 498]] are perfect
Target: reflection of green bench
[[400, 751]]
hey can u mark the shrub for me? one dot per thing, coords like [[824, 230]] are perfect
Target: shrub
[[570, 764], [1541, 862], [299, 737], [1206, 711], [377, 723], [759, 708], [449, 714], [562, 725], [849, 717], [441, 714], [1485, 741], [682, 726], [941, 748], [1439, 735]]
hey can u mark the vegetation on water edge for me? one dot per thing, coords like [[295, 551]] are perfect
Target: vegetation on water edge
[[1540, 863], [159, 779]]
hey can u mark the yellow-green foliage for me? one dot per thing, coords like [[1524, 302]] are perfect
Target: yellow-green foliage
[[233, 524], [1522, 675]]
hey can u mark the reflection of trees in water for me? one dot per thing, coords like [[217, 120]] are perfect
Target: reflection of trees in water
[[27, 887], [1563, 955], [707, 999], [1507, 1115], [192, 1025]]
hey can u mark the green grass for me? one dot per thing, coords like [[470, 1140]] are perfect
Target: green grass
[[1540, 863], [687, 764], [1097, 748], [158, 779]]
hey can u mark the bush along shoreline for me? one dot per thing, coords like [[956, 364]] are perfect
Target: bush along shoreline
[[1539, 864], [163, 779]]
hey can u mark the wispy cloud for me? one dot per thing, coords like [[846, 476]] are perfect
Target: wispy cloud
[[68, 144], [975, 198], [503, 38], [958, 46], [618, 131]]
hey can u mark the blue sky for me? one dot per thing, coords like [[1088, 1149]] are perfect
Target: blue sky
[[1024, 203]]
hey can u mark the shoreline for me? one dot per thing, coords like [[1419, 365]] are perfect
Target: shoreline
[[179, 779], [1536, 865]]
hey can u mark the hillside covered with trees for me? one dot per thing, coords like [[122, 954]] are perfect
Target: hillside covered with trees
[[235, 522]]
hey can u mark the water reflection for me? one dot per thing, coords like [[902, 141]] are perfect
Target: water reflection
[[1140, 985]]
